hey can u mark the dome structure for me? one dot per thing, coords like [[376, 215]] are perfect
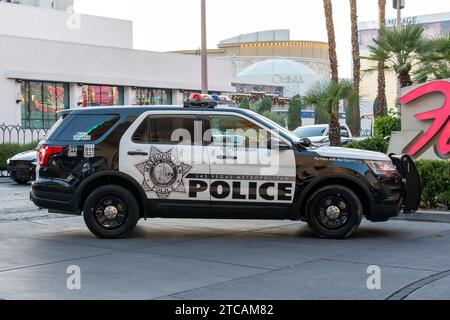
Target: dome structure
[[293, 76]]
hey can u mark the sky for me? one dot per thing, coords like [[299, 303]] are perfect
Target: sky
[[167, 25]]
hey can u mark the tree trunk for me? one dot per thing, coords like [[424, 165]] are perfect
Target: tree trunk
[[405, 79], [335, 132], [356, 112], [381, 106]]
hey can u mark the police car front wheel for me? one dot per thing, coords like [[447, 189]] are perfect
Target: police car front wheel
[[334, 212], [111, 212]]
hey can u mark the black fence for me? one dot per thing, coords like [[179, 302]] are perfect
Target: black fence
[[21, 135]]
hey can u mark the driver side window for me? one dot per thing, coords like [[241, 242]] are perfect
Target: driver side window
[[234, 131]]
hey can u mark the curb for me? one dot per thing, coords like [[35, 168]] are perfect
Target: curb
[[431, 216]]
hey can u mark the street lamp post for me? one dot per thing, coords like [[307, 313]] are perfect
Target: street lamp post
[[204, 53]]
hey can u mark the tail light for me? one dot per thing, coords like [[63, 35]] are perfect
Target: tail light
[[45, 152]]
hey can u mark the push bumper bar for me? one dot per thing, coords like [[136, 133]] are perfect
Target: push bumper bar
[[411, 182]]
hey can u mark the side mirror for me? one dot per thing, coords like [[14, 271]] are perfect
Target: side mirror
[[305, 142], [278, 144]]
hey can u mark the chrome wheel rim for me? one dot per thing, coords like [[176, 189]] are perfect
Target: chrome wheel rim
[[110, 213], [333, 212]]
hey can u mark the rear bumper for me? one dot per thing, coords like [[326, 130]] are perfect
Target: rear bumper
[[57, 202]]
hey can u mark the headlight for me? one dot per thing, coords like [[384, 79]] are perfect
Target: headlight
[[382, 167]]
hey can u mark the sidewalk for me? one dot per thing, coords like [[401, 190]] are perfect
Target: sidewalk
[[434, 216]]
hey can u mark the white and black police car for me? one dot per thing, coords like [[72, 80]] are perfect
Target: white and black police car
[[116, 165]]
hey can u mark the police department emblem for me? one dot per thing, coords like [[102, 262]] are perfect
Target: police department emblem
[[163, 173]]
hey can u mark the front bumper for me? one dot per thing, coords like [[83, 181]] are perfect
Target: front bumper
[[21, 173], [411, 191], [397, 194]]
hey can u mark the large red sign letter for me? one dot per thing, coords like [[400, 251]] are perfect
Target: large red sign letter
[[441, 116]]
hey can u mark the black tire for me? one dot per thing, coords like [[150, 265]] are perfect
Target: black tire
[[21, 181], [334, 212], [111, 200]]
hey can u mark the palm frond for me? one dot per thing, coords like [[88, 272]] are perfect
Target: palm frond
[[326, 94]]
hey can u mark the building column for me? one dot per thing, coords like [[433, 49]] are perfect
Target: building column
[[177, 97], [129, 96], [14, 117], [75, 95]]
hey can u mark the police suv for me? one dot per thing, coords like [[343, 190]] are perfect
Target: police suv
[[116, 165]]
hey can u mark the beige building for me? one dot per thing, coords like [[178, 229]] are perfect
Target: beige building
[[248, 49], [435, 25], [53, 59]]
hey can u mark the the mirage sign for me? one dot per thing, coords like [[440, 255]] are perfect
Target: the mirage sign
[[425, 122]]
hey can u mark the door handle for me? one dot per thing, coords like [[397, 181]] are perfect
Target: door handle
[[223, 157], [137, 153]]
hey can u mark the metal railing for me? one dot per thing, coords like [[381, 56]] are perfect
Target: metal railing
[[21, 135], [365, 133]]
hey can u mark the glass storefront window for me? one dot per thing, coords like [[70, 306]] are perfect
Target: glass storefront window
[[41, 101], [149, 96], [98, 95]]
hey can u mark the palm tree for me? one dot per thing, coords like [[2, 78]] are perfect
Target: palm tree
[[335, 132], [356, 113], [326, 94], [399, 49], [434, 60], [380, 105]]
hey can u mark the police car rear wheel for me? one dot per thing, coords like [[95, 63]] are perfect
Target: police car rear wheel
[[334, 212], [111, 212]]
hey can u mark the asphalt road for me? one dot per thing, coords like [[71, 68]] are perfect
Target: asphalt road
[[215, 259]]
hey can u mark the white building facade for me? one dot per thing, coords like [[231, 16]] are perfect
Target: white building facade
[[52, 58]]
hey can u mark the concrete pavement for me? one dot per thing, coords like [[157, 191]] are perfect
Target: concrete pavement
[[219, 259]]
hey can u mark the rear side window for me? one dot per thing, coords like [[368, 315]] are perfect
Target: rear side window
[[86, 127], [166, 130]]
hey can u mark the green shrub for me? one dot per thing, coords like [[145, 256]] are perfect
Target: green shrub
[[383, 129], [435, 180], [376, 143], [277, 117], [385, 125], [263, 105], [245, 103], [295, 113], [8, 150]]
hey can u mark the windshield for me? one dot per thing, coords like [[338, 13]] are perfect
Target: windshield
[[277, 127], [306, 132]]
